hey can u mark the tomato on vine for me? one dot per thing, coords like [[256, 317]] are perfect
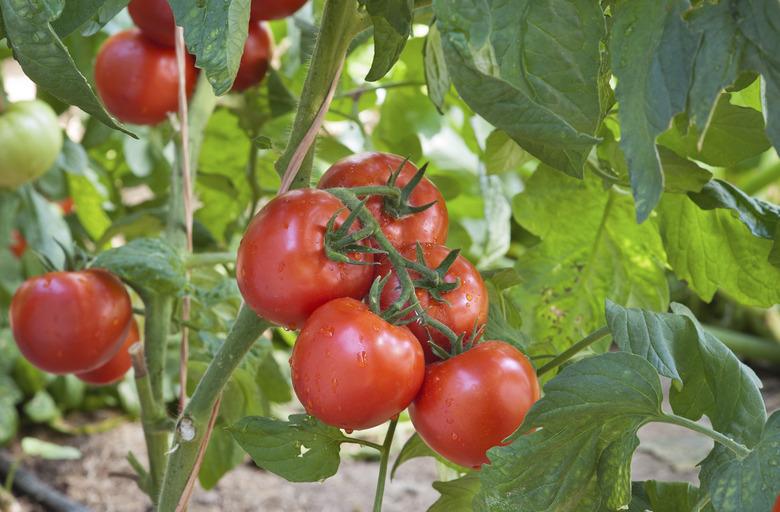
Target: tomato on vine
[[473, 401], [30, 140], [117, 366], [254, 60], [137, 79], [282, 269], [68, 322], [274, 9], [368, 169], [463, 309], [352, 369], [155, 19]]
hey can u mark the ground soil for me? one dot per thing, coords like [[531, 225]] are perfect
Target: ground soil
[[100, 478]]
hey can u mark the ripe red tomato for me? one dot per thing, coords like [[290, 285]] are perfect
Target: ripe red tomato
[[155, 19], [282, 269], [69, 322], [117, 366], [374, 169], [352, 369], [473, 401], [466, 308], [138, 79], [18, 244], [274, 9], [254, 61], [777, 505]]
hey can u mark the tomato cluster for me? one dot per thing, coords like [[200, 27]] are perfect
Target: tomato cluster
[[75, 322], [352, 368], [136, 73]]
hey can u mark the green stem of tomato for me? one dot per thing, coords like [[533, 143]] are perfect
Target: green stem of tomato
[[739, 449], [567, 354], [380, 484], [338, 27], [191, 427]]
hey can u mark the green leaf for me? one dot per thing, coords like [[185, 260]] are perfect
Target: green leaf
[[591, 249], [531, 69], [105, 13], [215, 35], [494, 237], [415, 448], [714, 250], [43, 227], [503, 154], [652, 50], [708, 378], [392, 20], [437, 77], [150, 265], [503, 320], [90, 205], [46, 60], [76, 13], [49, 451], [578, 437], [752, 483], [663, 496], [41, 408], [456, 495], [270, 379], [9, 420], [300, 450]]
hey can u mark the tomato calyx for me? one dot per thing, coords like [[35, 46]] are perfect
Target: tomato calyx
[[339, 242], [434, 280], [399, 206]]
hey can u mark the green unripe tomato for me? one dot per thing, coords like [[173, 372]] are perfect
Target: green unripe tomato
[[30, 140]]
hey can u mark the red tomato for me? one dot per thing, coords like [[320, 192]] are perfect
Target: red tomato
[[155, 19], [777, 505], [353, 370], [66, 205], [68, 322], [466, 308], [374, 169], [274, 9], [138, 79], [473, 401], [254, 61], [281, 268], [18, 244], [117, 366]]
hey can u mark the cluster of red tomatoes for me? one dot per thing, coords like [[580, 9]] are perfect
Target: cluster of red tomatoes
[[350, 367], [75, 322], [136, 73]]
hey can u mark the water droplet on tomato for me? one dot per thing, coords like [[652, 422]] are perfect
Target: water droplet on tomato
[[449, 421], [362, 358], [449, 402], [454, 436]]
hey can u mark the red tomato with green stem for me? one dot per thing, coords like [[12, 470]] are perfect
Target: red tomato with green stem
[[254, 60], [155, 19], [282, 269], [352, 369], [369, 169], [274, 9], [465, 308], [138, 80], [473, 401], [70, 322], [117, 366]]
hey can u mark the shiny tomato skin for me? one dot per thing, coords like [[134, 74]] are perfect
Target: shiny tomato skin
[[117, 366], [353, 370], [473, 401], [18, 244], [281, 267], [274, 9], [466, 306], [366, 169], [254, 60], [777, 505], [69, 322], [155, 19], [137, 79]]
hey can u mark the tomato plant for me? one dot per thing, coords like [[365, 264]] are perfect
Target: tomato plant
[[30, 140], [115, 368], [155, 20]]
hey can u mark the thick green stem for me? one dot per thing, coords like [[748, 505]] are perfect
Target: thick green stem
[[760, 179], [207, 259], [338, 27], [739, 449], [380, 483], [567, 354], [747, 346], [192, 425]]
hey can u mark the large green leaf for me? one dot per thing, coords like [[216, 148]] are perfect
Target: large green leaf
[[392, 20], [76, 13], [45, 59], [456, 495], [300, 450], [531, 69], [580, 437], [663, 496], [43, 227], [591, 249], [215, 33], [652, 53], [714, 250], [437, 77]]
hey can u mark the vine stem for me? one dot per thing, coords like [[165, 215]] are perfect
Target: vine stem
[[207, 259], [739, 449], [567, 354], [380, 483]]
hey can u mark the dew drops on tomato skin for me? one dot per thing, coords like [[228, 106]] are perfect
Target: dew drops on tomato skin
[[362, 359], [454, 436]]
